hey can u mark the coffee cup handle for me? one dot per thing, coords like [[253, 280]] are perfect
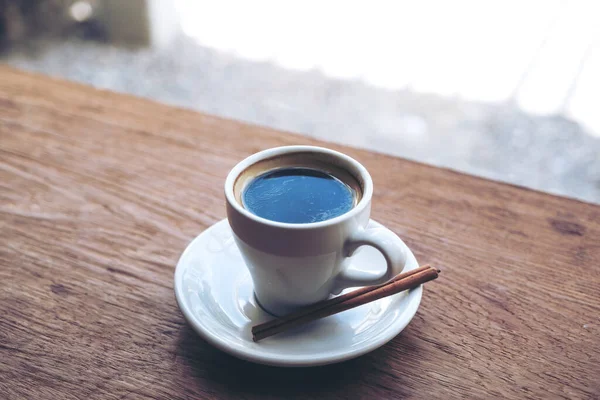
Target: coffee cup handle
[[384, 240]]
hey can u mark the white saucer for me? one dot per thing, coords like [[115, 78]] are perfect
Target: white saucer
[[214, 291]]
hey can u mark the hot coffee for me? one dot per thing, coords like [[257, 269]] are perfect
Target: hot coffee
[[298, 196], [298, 190]]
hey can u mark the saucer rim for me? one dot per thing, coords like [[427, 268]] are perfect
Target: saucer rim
[[252, 355]]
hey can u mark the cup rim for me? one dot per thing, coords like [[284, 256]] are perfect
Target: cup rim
[[276, 151]]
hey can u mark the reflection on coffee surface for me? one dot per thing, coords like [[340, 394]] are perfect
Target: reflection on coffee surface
[[298, 195]]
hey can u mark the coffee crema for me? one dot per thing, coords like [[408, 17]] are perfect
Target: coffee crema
[[297, 189]]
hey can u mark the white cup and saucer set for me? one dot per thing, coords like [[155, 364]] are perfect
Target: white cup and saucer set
[[247, 269]]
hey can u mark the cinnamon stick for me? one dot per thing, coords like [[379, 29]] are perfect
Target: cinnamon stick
[[330, 302], [324, 309]]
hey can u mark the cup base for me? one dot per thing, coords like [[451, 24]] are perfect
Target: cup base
[[263, 307]]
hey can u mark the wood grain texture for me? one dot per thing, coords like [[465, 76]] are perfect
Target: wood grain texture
[[100, 193]]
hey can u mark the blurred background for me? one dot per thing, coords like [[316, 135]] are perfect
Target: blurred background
[[508, 90]]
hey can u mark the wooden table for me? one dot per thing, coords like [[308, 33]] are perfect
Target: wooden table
[[100, 193]]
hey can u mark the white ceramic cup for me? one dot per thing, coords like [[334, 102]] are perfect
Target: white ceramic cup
[[294, 265]]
